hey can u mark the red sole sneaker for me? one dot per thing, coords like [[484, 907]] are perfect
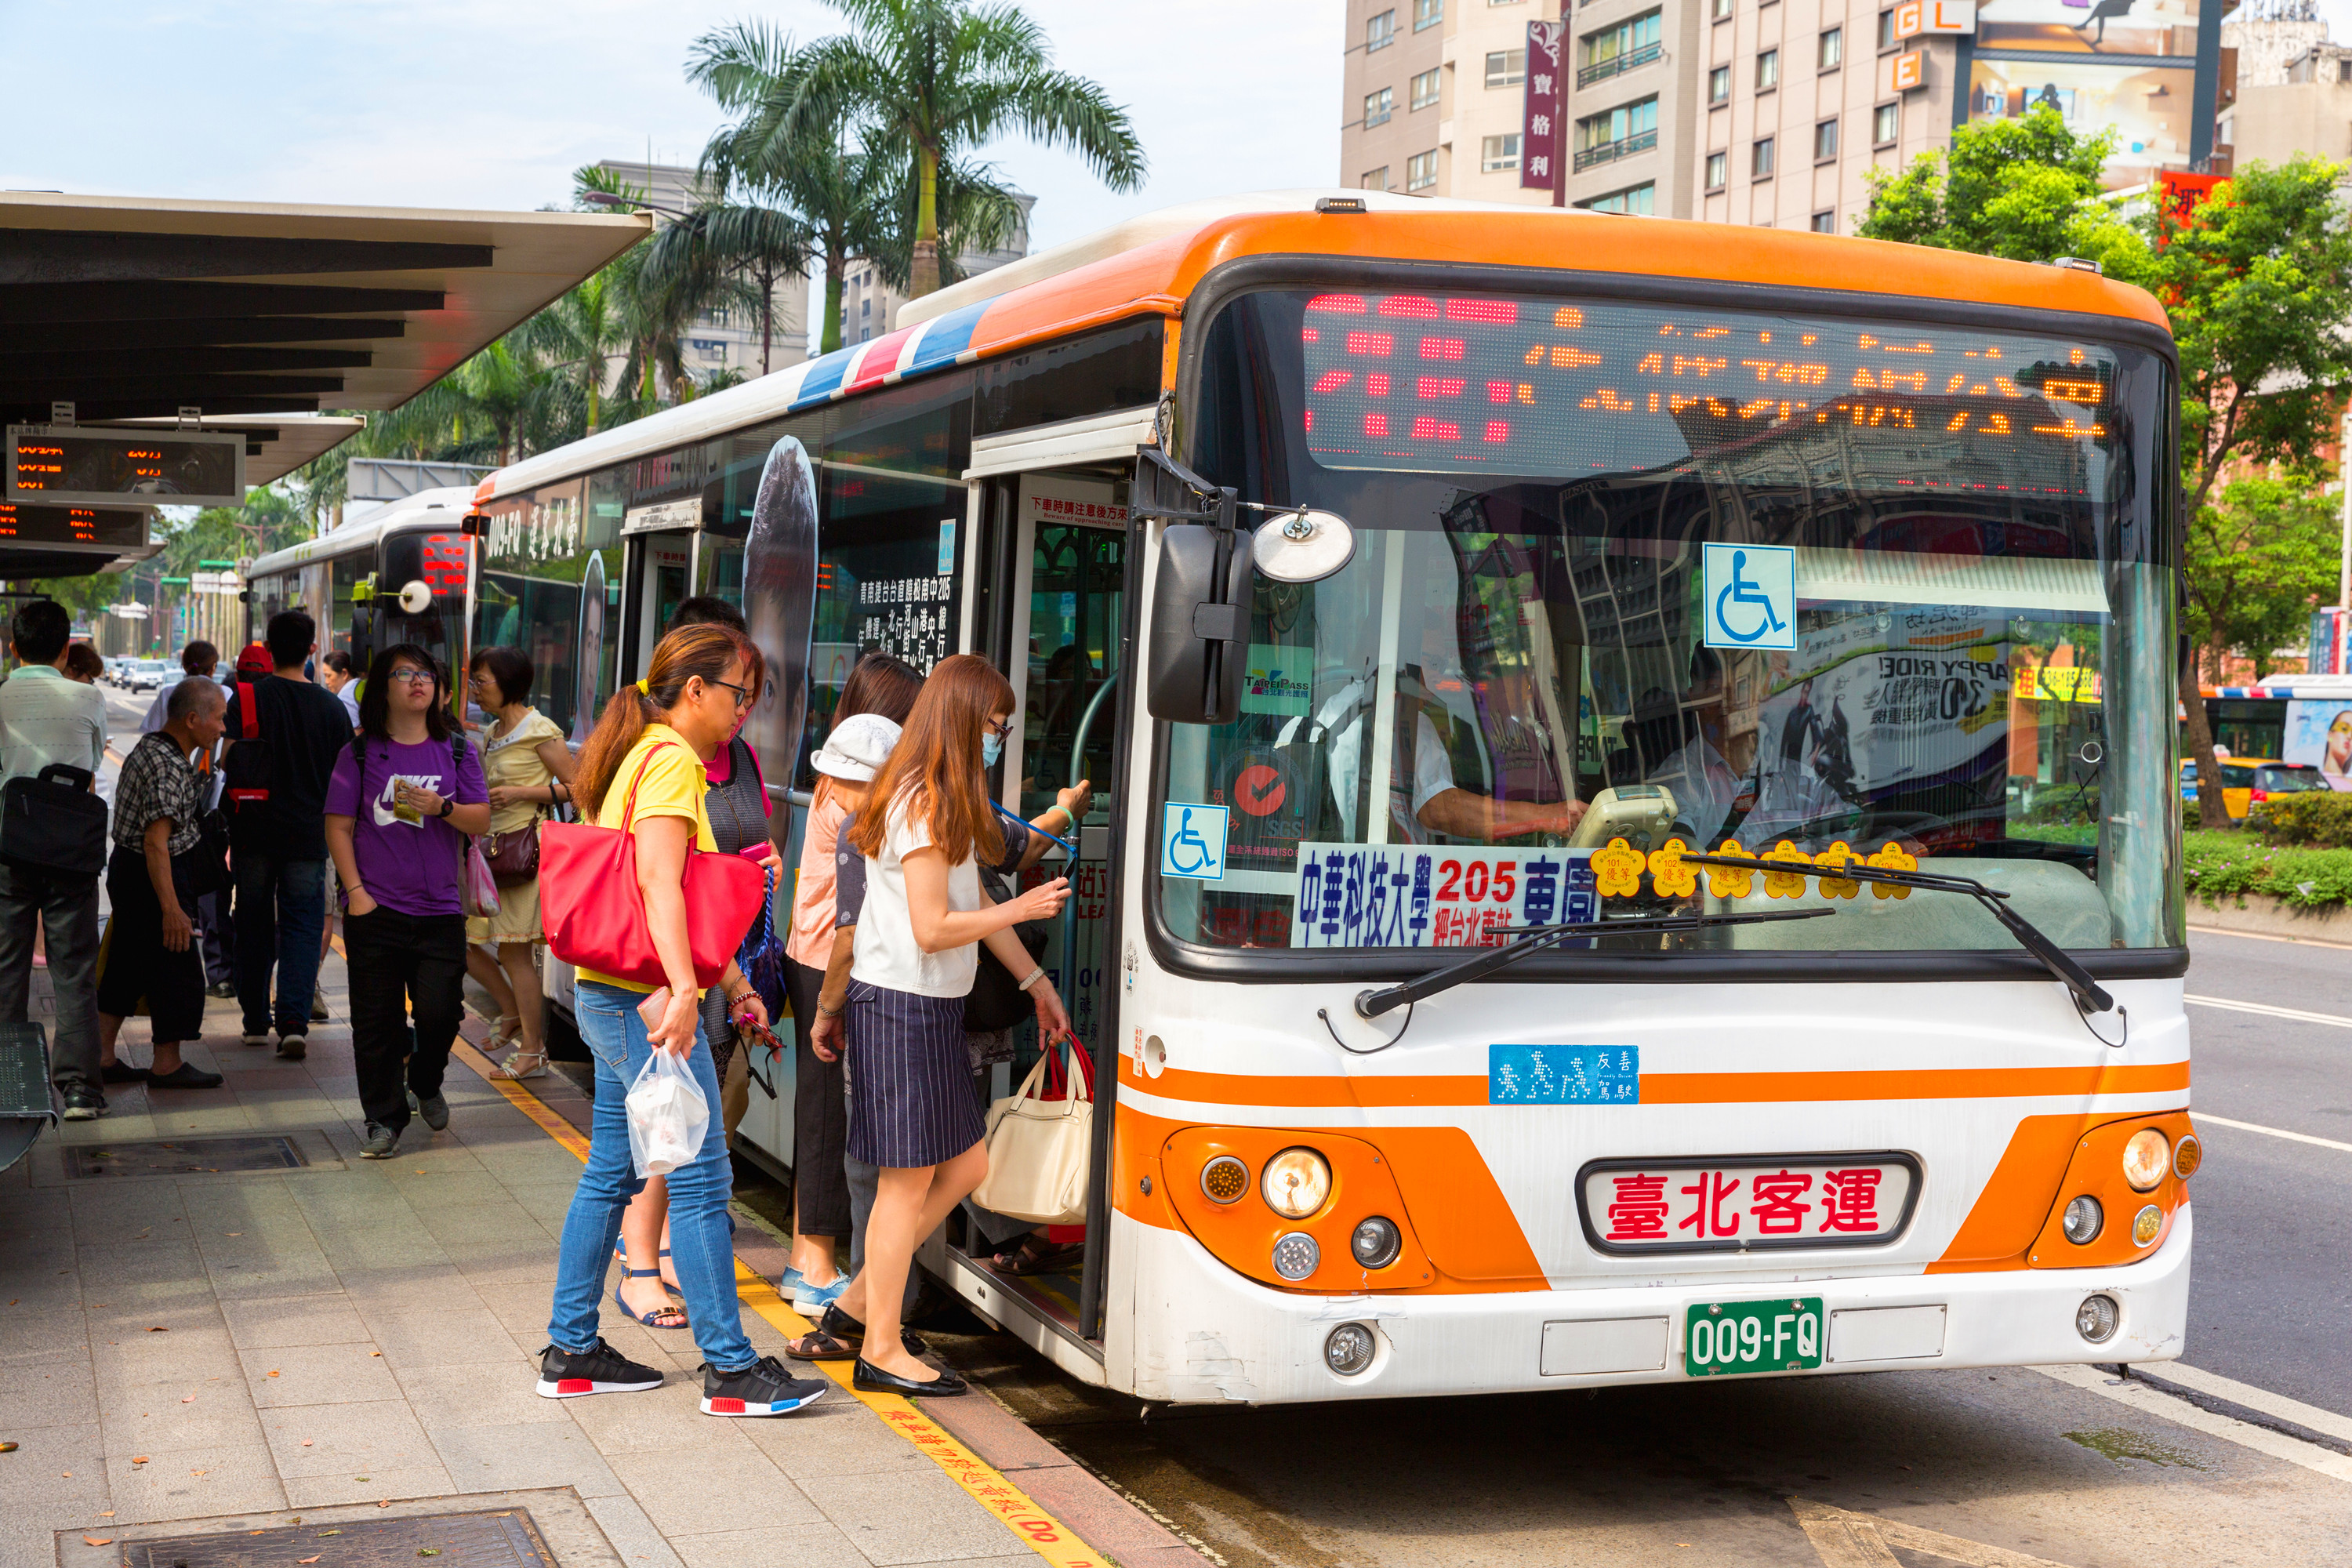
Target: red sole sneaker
[[747, 1407], [575, 1387]]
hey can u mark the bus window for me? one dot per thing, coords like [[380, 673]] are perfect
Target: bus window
[[1518, 641], [549, 584]]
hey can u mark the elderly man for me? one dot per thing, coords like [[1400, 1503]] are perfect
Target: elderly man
[[201, 660], [46, 718], [157, 808]]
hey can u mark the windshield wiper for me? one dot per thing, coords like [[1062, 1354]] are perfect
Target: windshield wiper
[[2088, 994], [1537, 939]]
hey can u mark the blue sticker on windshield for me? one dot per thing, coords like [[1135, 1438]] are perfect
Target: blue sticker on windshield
[[1563, 1075]]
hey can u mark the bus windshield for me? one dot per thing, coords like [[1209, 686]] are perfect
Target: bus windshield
[[1514, 670]]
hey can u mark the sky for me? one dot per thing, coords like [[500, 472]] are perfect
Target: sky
[[492, 103]]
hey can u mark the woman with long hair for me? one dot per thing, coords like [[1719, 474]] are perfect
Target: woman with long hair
[[643, 773], [400, 802], [528, 767], [880, 691], [927, 829]]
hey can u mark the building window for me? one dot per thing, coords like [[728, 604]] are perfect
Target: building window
[[1825, 223], [1886, 31], [1722, 11], [1825, 140], [1378, 106], [1424, 89], [1618, 133], [1421, 171], [1427, 13], [1507, 68], [1629, 44], [1832, 49], [866, 308], [1719, 85], [1885, 123], [1498, 152], [1641, 199], [1379, 31], [1718, 170], [1378, 180], [1767, 70], [1759, 159]]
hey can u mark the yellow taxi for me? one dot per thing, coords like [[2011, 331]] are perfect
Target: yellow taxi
[[2248, 780]]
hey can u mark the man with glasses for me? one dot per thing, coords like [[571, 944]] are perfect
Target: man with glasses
[[281, 842]]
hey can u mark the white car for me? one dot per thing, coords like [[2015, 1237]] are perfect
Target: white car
[[144, 674]]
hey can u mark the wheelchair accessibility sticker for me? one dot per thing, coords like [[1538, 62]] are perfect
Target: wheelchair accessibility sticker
[[1193, 842], [1752, 597]]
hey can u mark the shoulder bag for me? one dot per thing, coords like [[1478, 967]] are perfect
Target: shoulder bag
[[514, 854], [595, 920], [1039, 1150], [53, 823]]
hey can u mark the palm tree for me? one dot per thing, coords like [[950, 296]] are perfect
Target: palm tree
[[934, 79], [758, 248]]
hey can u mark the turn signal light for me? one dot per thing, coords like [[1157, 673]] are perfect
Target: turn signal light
[[2146, 1224], [2146, 1158], [2187, 1155]]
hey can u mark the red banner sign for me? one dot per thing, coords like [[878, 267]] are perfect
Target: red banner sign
[[1545, 98]]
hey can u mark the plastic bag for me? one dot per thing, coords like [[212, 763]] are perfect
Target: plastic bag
[[668, 1116], [481, 887]]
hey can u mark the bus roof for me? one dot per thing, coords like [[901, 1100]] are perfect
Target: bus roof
[[447, 505], [1150, 266]]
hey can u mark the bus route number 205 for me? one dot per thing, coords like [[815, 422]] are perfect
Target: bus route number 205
[[1724, 1337]]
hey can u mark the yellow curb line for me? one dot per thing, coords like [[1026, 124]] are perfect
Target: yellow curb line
[[1032, 1525]]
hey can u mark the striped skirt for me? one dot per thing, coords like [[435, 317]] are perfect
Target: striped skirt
[[911, 1102]]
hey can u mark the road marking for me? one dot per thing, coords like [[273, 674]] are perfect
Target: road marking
[[2271, 1131], [1031, 1525], [2266, 936], [2325, 1421], [2149, 1400], [2334, 1020], [1845, 1540]]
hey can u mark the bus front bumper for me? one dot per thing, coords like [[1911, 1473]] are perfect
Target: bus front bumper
[[1204, 1333]]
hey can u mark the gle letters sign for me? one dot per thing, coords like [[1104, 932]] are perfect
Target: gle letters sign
[[1913, 17], [1901, 73]]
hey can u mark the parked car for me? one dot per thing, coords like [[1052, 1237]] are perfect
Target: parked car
[[2246, 780]]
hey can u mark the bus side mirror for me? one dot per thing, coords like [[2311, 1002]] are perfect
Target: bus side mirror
[[1200, 637]]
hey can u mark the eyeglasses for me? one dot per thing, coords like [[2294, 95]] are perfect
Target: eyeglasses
[[408, 673], [743, 699], [1002, 731]]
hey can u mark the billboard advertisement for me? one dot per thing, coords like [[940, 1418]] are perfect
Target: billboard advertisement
[[2319, 735], [2149, 107], [2136, 27]]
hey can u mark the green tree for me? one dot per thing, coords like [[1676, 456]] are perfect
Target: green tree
[[2257, 557], [2025, 189], [929, 81]]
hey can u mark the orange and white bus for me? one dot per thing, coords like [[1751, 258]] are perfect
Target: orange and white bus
[[1423, 586]]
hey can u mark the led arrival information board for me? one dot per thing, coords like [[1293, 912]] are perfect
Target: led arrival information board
[[1421, 383], [110, 528], [95, 467]]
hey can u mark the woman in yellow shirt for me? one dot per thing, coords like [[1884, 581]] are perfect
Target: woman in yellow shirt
[[643, 772]]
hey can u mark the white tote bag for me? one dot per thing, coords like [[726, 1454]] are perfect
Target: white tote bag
[[1038, 1151]]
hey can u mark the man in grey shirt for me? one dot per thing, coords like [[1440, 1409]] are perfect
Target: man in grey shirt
[[46, 718]]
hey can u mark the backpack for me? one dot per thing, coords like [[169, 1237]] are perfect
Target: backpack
[[246, 770]]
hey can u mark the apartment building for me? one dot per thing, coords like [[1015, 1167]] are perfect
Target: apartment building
[[870, 307], [726, 339], [1435, 96]]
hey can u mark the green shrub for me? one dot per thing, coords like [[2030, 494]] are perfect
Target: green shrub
[[2322, 818], [2218, 864]]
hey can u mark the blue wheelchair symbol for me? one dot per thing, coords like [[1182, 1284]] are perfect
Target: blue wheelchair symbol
[[1193, 842], [1752, 597]]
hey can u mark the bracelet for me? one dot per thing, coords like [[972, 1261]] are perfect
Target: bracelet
[[1033, 976], [824, 1011]]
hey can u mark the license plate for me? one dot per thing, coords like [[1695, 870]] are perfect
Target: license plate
[[1720, 1338], [1746, 1202]]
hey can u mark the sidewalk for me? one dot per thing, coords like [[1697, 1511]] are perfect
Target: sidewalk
[[236, 1346]]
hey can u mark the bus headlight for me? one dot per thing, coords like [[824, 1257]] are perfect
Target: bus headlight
[[1377, 1242], [1296, 1256], [2187, 1155], [2146, 1158], [2084, 1219], [2096, 1318], [2146, 1224], [1296, 1183], [1349, 1351], [1224, 1179]]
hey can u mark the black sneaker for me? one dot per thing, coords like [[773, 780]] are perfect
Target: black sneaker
[[223, 989], [381, 1142], [292, 1048], [599, 1369], [764, 1388], [85, 1104], [432, 1108]]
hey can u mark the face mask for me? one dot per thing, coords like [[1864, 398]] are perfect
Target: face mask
[[992, 747]]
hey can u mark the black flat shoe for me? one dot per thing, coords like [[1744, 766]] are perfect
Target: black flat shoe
[[123, 1072], [839, 1325], [867, 1378], [187, 1075]]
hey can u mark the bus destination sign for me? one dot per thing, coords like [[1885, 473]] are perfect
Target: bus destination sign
[[118, 528], [92, 465]]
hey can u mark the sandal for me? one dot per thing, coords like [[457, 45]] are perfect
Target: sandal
[[659, 1317], [504, 1032], [1036, 1254], [840, 1337], [621, 1257], [521, 1065]]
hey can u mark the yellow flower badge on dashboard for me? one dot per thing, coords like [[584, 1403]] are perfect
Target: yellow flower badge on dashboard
[[1892, 858], [1786, 884], [1617, 871], [1671, 876], [1833, 860], [1730, 881]]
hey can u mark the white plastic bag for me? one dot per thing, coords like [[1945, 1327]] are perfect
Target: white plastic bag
[[668, 1116]]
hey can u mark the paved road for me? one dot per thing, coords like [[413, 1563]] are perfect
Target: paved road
[[2271, 1294], [2087, 1471]]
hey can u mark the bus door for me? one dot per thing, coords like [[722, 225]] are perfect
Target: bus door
[[659, 570], [1049, 599]]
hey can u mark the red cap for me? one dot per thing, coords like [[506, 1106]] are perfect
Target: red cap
[[255, 660]]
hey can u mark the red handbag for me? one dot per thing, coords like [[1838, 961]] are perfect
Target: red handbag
[[594, 918]]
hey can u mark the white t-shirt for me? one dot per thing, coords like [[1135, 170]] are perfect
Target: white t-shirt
[[888, 955]]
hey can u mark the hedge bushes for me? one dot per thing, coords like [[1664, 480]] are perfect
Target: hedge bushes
[[2230, 864], [2320, 818]]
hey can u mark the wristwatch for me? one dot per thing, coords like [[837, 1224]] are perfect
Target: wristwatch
[[448, 805]]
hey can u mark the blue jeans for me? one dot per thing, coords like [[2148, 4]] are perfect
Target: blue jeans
[[281, 909], [700, 1243]]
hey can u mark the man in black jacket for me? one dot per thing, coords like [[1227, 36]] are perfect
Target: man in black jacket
[[280, 841]]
